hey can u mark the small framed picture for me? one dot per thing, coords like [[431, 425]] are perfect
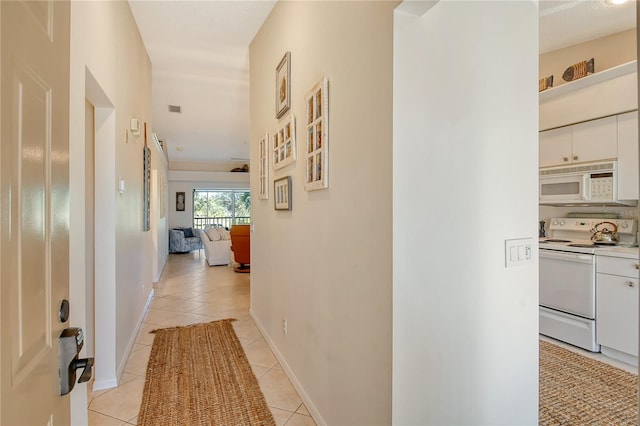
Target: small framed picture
[[264, 167], [282, 193], [284, 144], [180, 201], [283, 85]]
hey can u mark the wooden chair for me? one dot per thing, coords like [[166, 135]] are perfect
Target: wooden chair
[[241, 246]]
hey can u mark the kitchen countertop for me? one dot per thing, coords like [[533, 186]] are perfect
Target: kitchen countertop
[[624, 252]]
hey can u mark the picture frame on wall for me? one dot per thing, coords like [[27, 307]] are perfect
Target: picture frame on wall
[[282, 193], [284, 150], [283, 85], [180, 201], [263, 167], [146, 185], [317, 134]]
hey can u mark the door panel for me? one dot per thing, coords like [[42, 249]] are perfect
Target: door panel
[[34, 232], [30, 298]]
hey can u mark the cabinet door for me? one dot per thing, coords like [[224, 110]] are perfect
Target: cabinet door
[[617, 313], [555, 147], [628, 156], [595, 140]]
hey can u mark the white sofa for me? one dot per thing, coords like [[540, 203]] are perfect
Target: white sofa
[[217, 245]]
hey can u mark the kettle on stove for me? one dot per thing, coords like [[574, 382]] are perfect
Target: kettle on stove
[[605, 236]]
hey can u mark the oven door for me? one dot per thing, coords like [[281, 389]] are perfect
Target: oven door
[[567, 282]]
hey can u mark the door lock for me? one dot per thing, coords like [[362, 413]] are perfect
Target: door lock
[[70, 344]]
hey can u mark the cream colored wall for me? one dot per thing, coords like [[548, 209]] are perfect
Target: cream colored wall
[[607, 51], [110, 67], [326, 265]]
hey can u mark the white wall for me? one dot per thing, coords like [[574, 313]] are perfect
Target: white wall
[[326, 265], [465, 328], [110, 67]]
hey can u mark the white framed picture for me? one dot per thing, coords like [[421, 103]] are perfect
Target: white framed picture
[[263, 167], [284, 144], [317, 134]]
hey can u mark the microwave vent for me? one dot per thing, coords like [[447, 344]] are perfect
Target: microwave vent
[[595, 215], [580, 168]]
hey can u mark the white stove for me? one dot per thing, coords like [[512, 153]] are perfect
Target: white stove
[[574, 234], [568, 277]]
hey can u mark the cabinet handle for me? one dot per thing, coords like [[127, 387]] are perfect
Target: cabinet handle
[[565, 159], [630, 283], [575, 157], [637, 265]]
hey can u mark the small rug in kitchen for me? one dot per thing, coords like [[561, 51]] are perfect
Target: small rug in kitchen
[[576, 390], [200, 375]]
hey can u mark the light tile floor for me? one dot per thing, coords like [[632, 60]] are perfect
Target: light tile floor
[[190, 292]]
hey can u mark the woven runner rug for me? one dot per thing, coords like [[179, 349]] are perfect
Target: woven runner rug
[[576, 390], [200, 375]]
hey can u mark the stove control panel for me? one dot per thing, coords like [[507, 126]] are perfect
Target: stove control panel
[[625, 226]]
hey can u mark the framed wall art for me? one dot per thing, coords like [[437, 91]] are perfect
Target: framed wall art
[[284, 144], [282, 193], [317, 143], [263, 167], [283, 85], [180, 201], [146, 185]]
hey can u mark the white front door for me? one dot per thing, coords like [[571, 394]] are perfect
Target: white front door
[[34, 203]]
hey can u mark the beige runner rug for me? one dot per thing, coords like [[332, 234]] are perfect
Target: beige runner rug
[[200, 375], [576, 390]]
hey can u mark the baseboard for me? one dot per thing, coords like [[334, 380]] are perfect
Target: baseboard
[[104, 384], [289, 372], [132, 339], [161, 270]]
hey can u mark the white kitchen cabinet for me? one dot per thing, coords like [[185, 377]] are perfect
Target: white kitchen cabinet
[[628, 156], [594, 140], [555, 147], [617, 307]]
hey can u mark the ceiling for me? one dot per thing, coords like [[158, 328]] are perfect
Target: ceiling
[[200, 62], [200, 56], [565, 23]]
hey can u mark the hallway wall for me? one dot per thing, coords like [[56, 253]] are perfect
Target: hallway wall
[[326, 265], [110, 67]]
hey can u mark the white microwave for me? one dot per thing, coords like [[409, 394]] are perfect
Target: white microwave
[[583, 184]]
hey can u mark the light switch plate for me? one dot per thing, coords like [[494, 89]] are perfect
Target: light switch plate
[[518, 252]]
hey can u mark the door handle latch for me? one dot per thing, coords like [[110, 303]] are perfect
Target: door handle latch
[[70, 344]]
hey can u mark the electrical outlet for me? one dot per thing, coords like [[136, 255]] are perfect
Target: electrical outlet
[[284, 325]]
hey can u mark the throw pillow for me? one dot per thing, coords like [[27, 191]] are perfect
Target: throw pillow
[[212, 233], [188, 232], [224, 234]]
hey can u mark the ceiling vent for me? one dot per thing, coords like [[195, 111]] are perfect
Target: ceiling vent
[[175, 108]]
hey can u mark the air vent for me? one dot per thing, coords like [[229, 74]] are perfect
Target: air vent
[[175, 108]]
